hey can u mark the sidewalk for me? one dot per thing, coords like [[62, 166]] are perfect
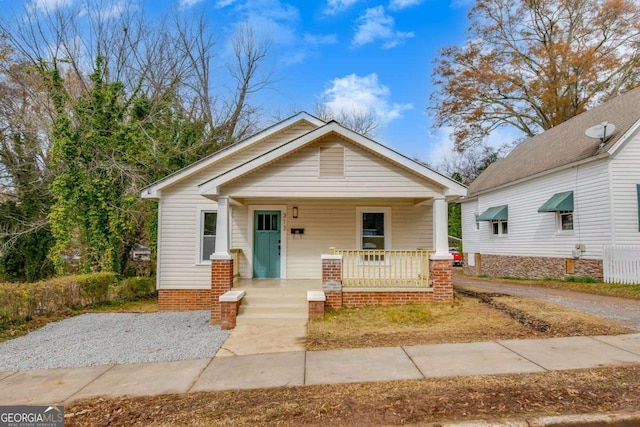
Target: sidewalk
[[318, 367]]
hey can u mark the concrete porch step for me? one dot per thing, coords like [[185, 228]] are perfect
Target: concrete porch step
[[272, 319], [278, 310]]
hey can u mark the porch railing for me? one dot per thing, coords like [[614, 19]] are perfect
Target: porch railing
[[235, 253], [384, 269]]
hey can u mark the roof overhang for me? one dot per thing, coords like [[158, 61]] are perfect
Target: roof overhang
[[558, 202], [451, 189], [496, 213], [153, 191]]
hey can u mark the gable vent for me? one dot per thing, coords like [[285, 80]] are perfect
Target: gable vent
[[332, 162]]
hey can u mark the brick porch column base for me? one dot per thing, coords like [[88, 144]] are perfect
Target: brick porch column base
[[228, 314], [441, 273], [316, 300], [332, 280], [221, 282]]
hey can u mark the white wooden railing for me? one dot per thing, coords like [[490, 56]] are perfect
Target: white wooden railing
[[384, 269], [621, 264]]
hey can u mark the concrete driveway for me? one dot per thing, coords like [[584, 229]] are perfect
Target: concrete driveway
[[624, 311]]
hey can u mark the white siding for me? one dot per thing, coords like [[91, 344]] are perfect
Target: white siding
[[331, 223], [296, 175], [625, 176], [177, 225], [470, 236], [534, 234]]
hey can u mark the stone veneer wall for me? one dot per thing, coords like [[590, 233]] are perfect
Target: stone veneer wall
[[534, 267]]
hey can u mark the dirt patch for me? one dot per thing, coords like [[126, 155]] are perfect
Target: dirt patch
[[466, 320], [516, 314], [390, 403]]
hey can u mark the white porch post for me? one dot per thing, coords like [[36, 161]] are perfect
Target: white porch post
[[222, 226], [441, 229]]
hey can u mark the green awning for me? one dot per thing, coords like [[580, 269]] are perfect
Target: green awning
[[559, 202], [496, 213]]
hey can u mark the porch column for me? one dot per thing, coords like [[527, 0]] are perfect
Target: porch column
[[222, 226], [440, 229]]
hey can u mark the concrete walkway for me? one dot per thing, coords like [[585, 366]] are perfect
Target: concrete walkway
[[622, 310], [296, 368]]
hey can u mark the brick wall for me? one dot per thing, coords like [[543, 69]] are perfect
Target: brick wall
[[316, 310], [228, 314], [184, 299], [360, 299], [221, 282], [535, 267]]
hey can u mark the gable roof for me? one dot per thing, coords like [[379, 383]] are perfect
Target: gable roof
[[453, 188], [151, 191], [564, 144]]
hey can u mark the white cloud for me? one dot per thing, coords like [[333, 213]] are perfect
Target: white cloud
[[441, 149], [365, 94], [224, 3], [403, 4], [335, 6], [51, 5], [279, 24], [375, 25], [113, 10], [188, 3]]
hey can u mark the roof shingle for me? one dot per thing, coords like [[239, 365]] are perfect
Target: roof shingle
[[563, 144]]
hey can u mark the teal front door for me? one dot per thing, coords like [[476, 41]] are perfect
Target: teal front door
[[266, 244]]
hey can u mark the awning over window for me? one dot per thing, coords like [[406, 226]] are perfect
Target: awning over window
[[558, 202], [496, 213]]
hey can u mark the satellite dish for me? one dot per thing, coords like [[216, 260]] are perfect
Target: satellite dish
[[601, 131]]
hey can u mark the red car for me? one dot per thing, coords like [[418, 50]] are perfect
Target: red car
[[458, 258]]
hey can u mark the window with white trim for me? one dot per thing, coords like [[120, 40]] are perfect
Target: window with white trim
[[564, 221], [499, 228], [208, 222], [374, 228]]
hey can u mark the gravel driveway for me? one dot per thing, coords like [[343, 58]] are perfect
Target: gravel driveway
[[622, 310], [107, 338]]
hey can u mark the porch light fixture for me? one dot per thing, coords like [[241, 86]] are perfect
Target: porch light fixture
[[295, 212]]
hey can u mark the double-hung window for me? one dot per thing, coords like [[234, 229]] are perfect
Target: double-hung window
[[374, 230], [208, 222]]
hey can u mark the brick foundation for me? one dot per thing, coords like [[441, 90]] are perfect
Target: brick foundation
[[534, 267], [184, 299], [228, 314], [221, 282]]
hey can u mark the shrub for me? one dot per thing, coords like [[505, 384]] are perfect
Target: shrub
[[133, 288], [94, 288], [20, 302]]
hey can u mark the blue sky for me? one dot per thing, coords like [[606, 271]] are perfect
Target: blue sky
[[375, 55], [371, 54]]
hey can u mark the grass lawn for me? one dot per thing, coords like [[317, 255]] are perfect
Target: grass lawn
[[389, 403], [606, 289], [145, 305], [465, 320]]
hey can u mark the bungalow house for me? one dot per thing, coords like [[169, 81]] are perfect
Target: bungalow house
[[563, 203], [303, 200]]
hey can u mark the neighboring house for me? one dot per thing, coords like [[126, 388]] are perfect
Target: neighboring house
[[561, 202], [141, 253], [282, 198]]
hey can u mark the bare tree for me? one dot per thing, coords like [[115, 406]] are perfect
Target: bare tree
[[358, 120]]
